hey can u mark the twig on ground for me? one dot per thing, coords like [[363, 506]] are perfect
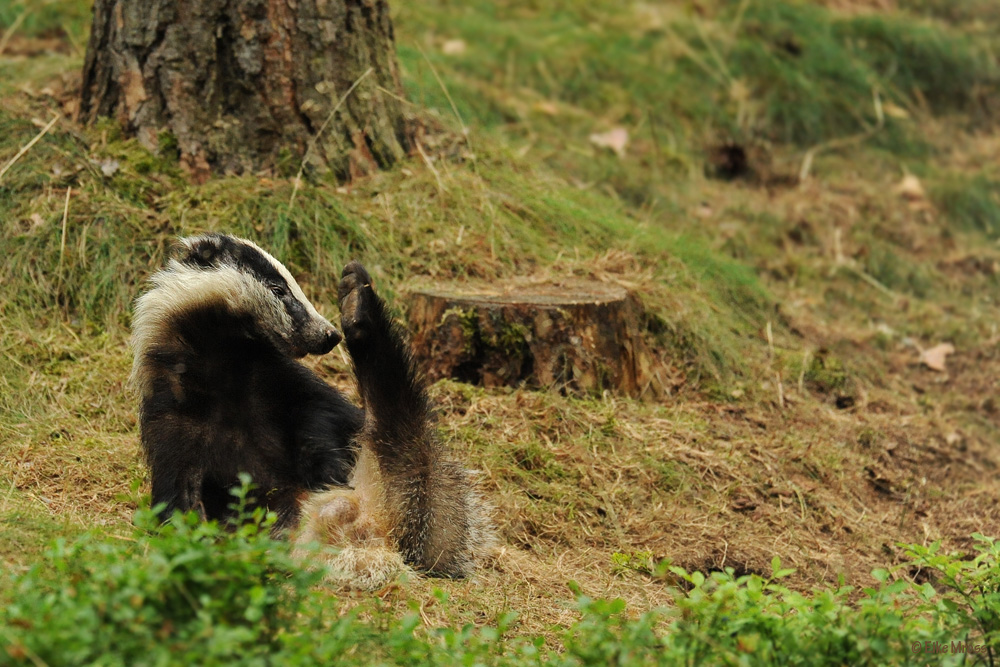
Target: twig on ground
[[27, 146], [427, 161], [62, 240], [9, 32], [841, 142]]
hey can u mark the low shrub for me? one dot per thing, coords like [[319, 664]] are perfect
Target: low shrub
[[194, 592]]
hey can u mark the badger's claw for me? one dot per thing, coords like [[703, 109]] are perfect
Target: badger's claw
[[356, 300]]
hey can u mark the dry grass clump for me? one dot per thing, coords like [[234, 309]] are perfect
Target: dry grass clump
[[68, 421]]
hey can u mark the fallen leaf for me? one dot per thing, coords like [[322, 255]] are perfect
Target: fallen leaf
[[453, 47], [933, 358], [547, 108], [885, 330], [895, 111], [109, 167], [911, 188], [615, 139], [649, 16], [739, 91]]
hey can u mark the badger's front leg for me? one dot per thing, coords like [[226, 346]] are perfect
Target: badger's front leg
[[174, 488], [394, 398], [430, 512]]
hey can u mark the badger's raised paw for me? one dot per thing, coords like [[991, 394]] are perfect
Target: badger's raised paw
[[357, 298]]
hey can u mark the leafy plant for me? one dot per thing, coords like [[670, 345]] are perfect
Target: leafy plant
[[195, 592], [753, 620], [188, 591], [970, 605]]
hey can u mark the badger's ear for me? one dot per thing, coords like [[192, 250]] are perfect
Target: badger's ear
[[201, 251]]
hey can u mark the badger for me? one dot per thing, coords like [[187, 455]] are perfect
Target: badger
[[216, 339]]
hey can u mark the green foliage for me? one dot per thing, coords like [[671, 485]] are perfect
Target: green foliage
[[970, 604], [755, 620], [639, 561], [751, 620], [191, 592], [605, 635], [187, 592]]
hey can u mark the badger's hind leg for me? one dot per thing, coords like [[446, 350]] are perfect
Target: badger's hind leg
[[428, 503], [345, 518]]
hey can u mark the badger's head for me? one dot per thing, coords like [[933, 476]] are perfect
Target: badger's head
[[221, 271]]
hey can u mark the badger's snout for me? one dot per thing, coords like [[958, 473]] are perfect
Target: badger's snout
[[328, 340], [318, 337]]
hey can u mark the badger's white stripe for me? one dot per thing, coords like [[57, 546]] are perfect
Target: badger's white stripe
[[179, 287], [282, 270]]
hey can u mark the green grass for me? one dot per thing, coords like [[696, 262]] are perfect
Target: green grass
[[970, 203], [26, 531], [48, 18], [784, 71], [118, 227]]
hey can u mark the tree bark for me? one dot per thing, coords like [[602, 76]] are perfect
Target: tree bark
[[245, 85], [579, 338]]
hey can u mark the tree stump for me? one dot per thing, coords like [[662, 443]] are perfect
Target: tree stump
[[241, 85], [578, 338]]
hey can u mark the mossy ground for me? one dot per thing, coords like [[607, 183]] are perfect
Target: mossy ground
[[788, 314]]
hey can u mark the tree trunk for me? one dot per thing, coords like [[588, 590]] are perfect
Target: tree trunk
[[578, 338], [244, 85]]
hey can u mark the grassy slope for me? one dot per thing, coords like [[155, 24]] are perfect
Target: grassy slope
[[826, 445]]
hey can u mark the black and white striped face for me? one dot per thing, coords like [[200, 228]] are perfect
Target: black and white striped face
[[254, 283]]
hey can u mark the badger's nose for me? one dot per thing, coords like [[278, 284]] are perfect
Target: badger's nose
[[330, 339]]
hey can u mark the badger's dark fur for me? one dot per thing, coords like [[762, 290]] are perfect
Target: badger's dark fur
[[215, 341]]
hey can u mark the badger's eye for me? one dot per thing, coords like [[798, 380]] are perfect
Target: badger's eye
[[277, 290]]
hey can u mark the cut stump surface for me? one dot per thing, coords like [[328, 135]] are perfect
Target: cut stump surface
[[576, 337]]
